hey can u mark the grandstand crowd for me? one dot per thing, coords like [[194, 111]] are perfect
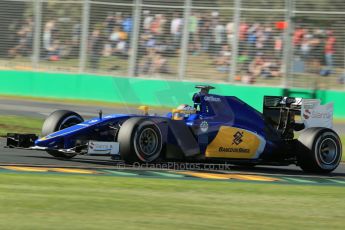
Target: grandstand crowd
[[260, 44]]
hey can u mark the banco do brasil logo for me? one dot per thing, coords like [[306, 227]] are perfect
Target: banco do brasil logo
[[237, 138]]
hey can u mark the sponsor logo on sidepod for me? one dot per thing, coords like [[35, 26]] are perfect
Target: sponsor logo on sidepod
[[236, 141], [237, 138]]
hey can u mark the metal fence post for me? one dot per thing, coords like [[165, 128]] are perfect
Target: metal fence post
[[342, 77], [185, 39], [37, 33], [288, 46], [235, 40], [84, 36], [133, 53]]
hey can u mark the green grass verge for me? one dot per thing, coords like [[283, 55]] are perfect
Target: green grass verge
[[19, 124], [31, 201]]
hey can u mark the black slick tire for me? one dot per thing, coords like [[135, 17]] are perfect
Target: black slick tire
[[140, 141], [319, 150], [59, 120]]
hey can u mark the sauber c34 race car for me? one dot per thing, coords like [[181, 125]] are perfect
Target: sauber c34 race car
[[214, 129]]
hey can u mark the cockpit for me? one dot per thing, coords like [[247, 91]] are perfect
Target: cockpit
[[184, 111]]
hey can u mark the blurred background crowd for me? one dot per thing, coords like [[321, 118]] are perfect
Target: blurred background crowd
[[211, 41]]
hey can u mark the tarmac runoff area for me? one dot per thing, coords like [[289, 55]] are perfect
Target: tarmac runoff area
[[30, 161]]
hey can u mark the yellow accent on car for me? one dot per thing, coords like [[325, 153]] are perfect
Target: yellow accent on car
[[177, 115], [176, 111], [145, 109], [232, 142]]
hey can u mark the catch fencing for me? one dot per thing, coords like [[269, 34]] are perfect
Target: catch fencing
[[285, 43]]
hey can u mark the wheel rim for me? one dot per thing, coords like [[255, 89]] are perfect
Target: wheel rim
[[69, 121], [148, 142], [328, 151]]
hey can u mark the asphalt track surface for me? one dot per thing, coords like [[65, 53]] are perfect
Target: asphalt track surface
[[35, 109], [41, 158]]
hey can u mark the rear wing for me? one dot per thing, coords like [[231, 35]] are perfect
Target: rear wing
[[282, 102], [281, 112], [313, 114]]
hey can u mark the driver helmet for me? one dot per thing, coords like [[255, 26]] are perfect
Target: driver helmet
[[183, 111], [185, 107]]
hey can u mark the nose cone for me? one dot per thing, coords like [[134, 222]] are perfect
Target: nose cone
[[45, 141]]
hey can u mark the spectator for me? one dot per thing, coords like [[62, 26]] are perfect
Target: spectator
[[118, 19], [218, 37], [194, 45], [50, 43], [243, 30], [230, 32], [75, 41], [121, 49], [25, 36], [109, 22], [316, 53], [261, 67], [147, 20], [153, 63], [257, 65], [298, 36], [224, 59], [176, 29], [270, 68], [114, 37], [214, 18], [278, 46], [205, 33], [329, 49], [260, 40], [95, 47], [268, 38], [243, 61], [252, 39], [341, 79], [305, 47], [127, 25], [157, 26]]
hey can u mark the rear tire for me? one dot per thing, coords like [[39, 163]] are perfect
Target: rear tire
[[140, 141], [59, 120], [319, 150]]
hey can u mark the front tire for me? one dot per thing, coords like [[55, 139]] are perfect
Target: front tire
[[140, 141], [58, 120], [319, 150]]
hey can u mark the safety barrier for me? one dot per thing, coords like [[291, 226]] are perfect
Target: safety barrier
[[135, 91]]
